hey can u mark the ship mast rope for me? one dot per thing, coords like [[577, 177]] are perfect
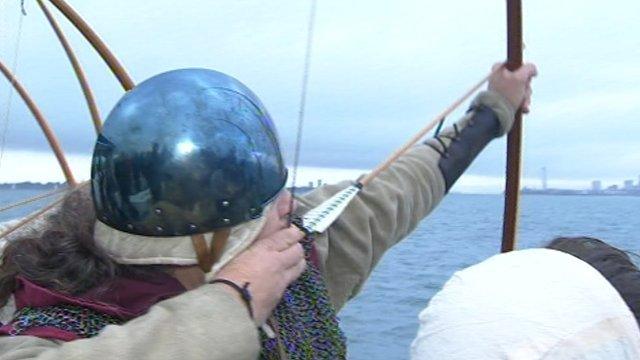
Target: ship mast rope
[[14, 68], [514, 50], [303, 102]]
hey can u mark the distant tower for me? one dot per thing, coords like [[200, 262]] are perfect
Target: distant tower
[[544, 178], [628, 184], [319, 182], [596, 186]]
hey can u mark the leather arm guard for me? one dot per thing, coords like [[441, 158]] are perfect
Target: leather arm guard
[[459, 147]]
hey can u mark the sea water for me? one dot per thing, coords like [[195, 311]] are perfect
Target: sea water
[[381, 321]]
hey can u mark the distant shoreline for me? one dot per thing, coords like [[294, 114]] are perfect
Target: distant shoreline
[[56, 185], [27, 185], [607, 192]]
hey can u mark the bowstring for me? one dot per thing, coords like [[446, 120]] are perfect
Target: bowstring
[[14, 67], [303, 102]]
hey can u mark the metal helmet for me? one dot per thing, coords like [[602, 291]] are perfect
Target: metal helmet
[[185, 152]]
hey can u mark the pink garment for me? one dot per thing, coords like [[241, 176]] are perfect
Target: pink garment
[[123, 298]]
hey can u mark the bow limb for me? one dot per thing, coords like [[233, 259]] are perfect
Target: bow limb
[[44, 125], [97, 43], [514, 140], [84, 84]]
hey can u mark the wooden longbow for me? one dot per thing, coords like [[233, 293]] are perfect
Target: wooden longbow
[[514, 140], [116, 67], [514, 61]]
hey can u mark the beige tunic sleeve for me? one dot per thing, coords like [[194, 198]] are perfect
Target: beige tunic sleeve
[[206, 323], [386, 210]]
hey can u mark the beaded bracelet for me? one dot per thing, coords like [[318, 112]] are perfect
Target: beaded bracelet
[[242, 290]]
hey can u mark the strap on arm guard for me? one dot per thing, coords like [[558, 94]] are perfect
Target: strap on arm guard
[[465, 144]]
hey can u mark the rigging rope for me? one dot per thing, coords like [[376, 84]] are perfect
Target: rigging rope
[[14, 67], [303, 99], [32, 199], [30, 218], [38, 213], [113, 64]]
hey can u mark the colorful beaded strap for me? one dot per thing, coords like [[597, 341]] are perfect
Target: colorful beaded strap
[[75, 319], [306, 322]]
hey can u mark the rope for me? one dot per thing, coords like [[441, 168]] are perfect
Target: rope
[[30, 218], [32, 199], [303, 101], [38, 213], [14, 66]]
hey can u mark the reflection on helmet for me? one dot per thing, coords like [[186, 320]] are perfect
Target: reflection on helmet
[[186, 152]]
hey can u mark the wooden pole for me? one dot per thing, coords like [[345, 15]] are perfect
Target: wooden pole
[[514, 140], [97, 43], [44, 125], [77, 68]]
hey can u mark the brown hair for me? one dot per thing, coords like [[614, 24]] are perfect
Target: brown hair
[[614, 264], [63, 256]]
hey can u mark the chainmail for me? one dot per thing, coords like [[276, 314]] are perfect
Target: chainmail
[[307, 326], [306, 322], [75, 319]]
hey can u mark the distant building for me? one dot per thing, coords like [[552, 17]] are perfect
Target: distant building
[[628, 185], [627, 188], [319, 182]]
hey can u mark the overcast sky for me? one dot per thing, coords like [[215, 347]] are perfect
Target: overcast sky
[[379, 71]]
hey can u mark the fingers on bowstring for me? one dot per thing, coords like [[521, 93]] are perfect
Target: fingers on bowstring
[[292, 273], [292, 256], [284, 239]]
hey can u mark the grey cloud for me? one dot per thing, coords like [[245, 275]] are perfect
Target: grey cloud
[[379, 72]]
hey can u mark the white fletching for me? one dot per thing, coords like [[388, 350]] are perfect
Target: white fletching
[[322, 216]]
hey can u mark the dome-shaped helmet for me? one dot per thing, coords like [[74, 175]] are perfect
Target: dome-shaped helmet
[[185, 152]]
